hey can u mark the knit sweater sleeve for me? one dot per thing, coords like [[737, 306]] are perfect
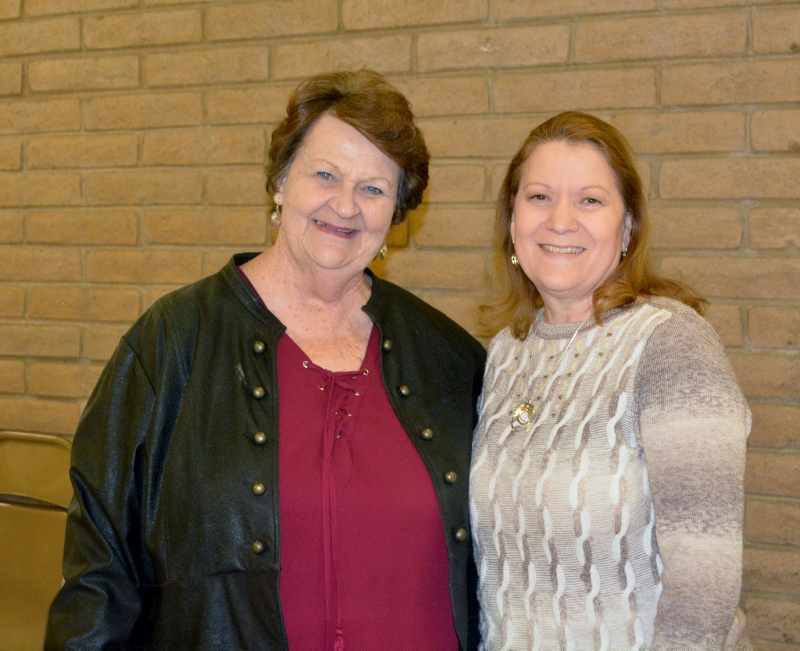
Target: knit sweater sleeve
[[694, 423]]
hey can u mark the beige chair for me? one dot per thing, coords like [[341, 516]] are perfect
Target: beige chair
[[34, 494]]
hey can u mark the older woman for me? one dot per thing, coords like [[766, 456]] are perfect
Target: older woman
[[277, 456], [607, 474]]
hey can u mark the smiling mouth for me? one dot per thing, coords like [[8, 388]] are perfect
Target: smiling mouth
[[333, 229], [562, 249]]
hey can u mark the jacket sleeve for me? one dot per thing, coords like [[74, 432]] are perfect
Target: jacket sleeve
[[694, 424], [100, 602]]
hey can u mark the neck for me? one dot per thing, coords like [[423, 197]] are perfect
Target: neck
[[274, 271], [560, 313]]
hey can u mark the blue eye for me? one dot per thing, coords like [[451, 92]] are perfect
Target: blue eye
[[325, 176], [373, 190]]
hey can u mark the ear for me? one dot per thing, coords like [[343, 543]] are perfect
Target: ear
[[278, 196], [512, 228], [627, 225]]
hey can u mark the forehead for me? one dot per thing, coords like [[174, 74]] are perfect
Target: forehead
[[572, 158]]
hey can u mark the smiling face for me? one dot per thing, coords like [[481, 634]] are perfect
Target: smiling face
[[569, 226], [337, 199]]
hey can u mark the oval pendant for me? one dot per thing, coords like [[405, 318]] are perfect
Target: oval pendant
[[523, 415]]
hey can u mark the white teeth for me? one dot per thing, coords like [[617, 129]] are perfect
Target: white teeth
[[561, 249], [333, 228]]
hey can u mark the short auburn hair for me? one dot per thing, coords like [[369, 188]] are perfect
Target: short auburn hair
[[517, 299], [368, 103]]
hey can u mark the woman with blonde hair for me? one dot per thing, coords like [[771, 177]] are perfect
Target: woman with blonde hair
[[608, 464]]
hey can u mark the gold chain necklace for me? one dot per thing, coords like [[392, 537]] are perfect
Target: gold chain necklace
[[523, 415]]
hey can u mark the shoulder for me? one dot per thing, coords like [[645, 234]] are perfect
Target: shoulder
[[397, 310], [684, 330]]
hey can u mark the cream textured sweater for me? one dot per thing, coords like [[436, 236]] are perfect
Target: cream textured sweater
[[613, 521]]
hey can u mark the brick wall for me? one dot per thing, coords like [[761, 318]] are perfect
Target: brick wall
[[132, 136]]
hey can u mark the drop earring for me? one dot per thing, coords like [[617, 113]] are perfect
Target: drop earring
[[383, 251], [514, 260], [624, 253], [276, 218]]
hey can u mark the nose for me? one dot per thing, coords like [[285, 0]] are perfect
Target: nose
[[562, 218], [344, 203]]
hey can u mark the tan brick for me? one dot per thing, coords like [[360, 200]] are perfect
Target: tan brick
[[63, 380], [81, 151], [775, 327], [776, 31], [505, 47], [453, 225], [147, 266], [268, 19], [207, 66], [680, 4], [692, 35], [475, 136], [431, 96], [774, 228], [143, 187], [737, 277], [463, 309], [40, 188], [84, 303], [455, 183], [10, 78], [100, 341], [768, 376], [248, 105], [28, 263], [12, 228], [385, 54], [10, 154], [370, 14], [727, 321], [9, 9], [575, 90], [42, 7], [773, 521], [775, 426], [12, 376], [37, 415], [682, 132], [141, 29], [12, 301], [39, 340], [731, 82], [212, 226], [775, 130], [153, 293], [36, 36], [760, 645], [215, 259], [773, 473], [398, 234], [773, 619], [82, 226], [239, 187], [511, 9], [433, 269], [207, 146], [731, 178], [772, 570], [695, 227], [27, 116], [143, 111], [84, 73]]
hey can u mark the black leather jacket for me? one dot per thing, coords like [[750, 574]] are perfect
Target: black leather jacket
[[167, 546]]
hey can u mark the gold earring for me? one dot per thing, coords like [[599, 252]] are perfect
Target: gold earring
[[383, 251], [276, 218], [514, 260]]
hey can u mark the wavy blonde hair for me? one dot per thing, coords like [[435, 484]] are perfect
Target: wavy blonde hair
[[516, 298]]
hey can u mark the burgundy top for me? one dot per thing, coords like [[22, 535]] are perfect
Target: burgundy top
[[364, 564]]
